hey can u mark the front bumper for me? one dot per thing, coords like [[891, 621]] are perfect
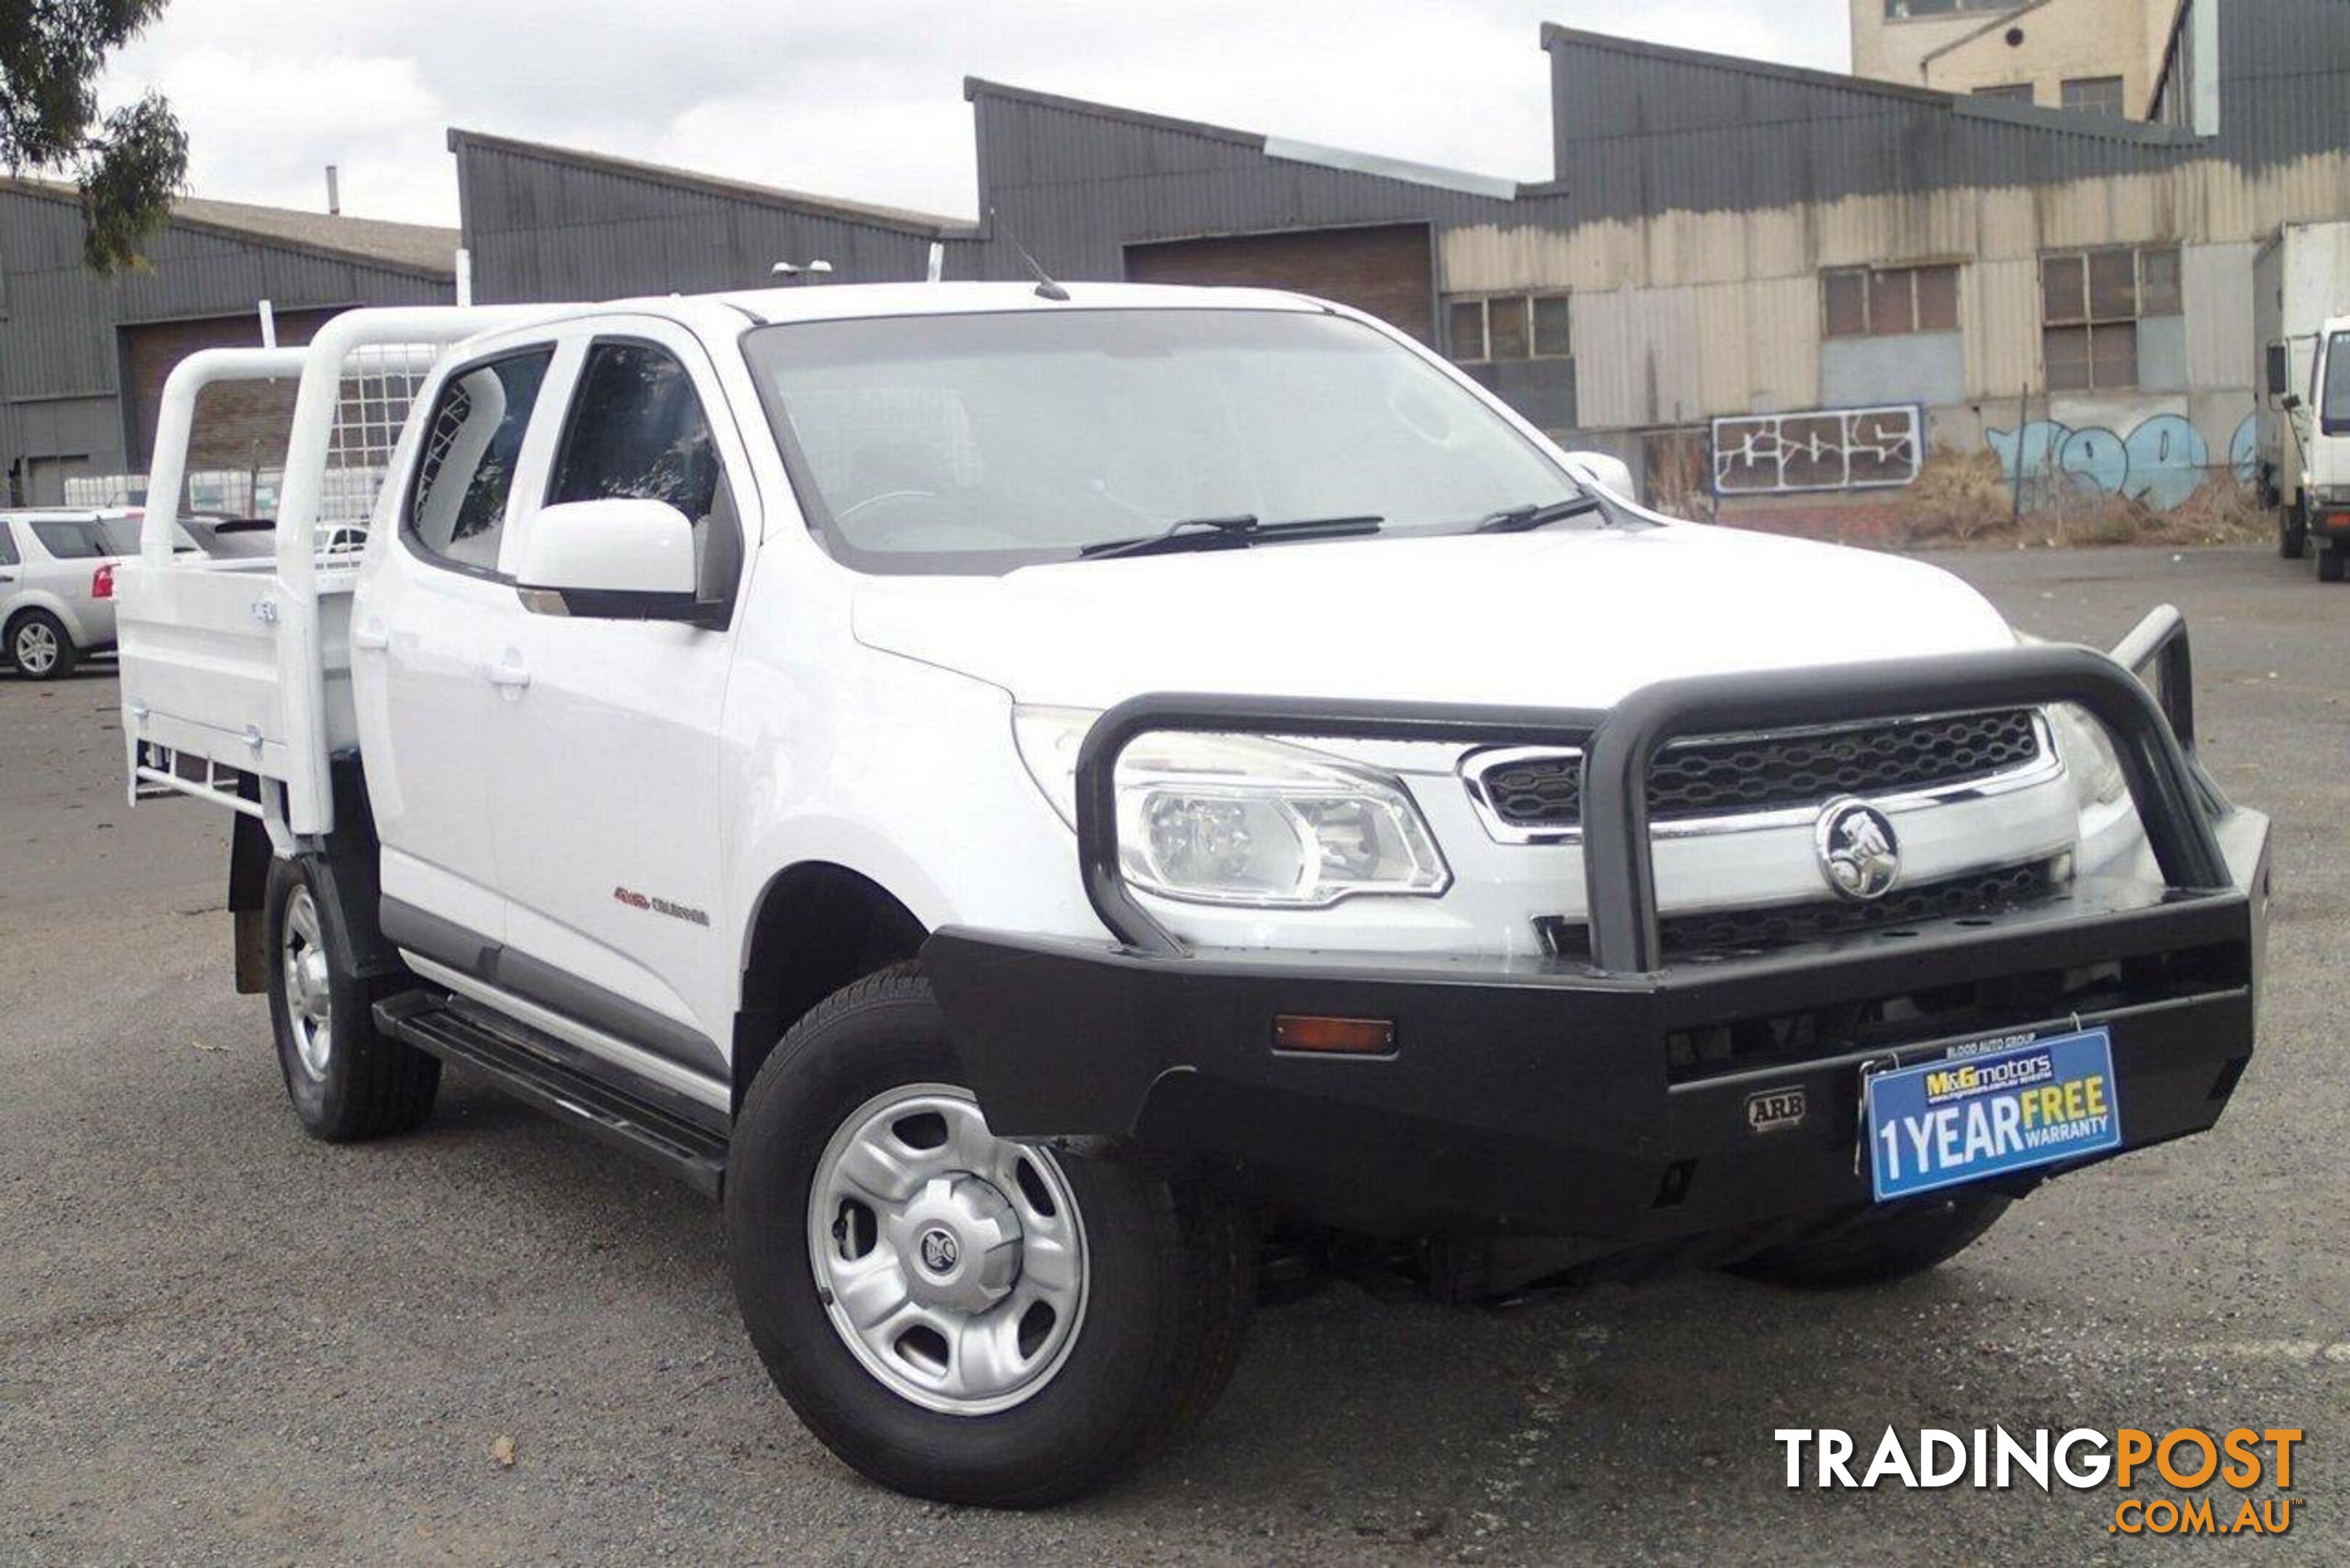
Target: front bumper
[[1538, 1096], [1615, 1102]]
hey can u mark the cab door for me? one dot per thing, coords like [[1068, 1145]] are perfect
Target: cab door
[[429, 621], [608, 805]]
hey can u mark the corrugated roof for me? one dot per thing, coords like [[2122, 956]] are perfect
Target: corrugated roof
[[903, 219], [2058, 121], [1285, 148], [420, 248]]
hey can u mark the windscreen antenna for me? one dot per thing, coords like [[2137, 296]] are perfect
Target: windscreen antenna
[[1045, 288]]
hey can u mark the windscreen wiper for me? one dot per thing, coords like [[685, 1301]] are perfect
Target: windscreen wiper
[[1233, 532], [1612, 508], [1534, 514]]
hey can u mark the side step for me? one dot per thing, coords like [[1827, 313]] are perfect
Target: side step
[[505, 1051]]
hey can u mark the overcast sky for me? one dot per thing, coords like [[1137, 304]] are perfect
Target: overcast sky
[[863, 98]]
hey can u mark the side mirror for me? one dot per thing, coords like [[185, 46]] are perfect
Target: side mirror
[[616, 559], [2291, 401], [1612, 475]]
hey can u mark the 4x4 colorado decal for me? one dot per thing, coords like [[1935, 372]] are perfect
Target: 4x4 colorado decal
[[636, 901]]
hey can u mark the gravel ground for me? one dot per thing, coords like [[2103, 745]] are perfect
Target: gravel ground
[[221, 1342]]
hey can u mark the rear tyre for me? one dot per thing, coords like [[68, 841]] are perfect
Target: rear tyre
[[1882, 1248], [2292, 533], [39, 646], [2329, 564], [346, 1081], [956, 1315]]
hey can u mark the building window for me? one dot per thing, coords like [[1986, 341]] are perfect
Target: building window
[[2090, 305], [1886, 302], [2094, 95], [2008, 92], [1483, 329]]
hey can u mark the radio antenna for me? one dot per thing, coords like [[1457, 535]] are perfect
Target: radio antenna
[[1045, 288]]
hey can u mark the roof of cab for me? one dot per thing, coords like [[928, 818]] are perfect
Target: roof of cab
[[837, 301]]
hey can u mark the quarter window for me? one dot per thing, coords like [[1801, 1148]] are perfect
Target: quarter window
[[1481, 329], [465, 478], [1887, 302], [637, 431], [2091, 302]]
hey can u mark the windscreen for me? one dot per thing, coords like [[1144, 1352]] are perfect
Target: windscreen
[[982, 443], [2335, 409]]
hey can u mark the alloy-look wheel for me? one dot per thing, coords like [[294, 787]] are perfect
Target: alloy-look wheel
[[951, 1262], [962, 1316], [39, 647], [345, 1080], [309, 993]]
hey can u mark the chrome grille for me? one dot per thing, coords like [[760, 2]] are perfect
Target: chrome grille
[[1731, 931], [1542, 790]]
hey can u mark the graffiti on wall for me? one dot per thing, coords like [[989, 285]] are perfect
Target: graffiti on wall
[[2160, 463], [1825, 448]]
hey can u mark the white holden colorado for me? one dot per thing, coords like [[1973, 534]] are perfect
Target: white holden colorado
[[1052, 803]]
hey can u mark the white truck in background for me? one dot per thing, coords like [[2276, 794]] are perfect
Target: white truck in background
[[1045, 800], [2301, 302]]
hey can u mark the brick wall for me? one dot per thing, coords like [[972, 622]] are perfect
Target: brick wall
[[240, 424], [1385, 270]]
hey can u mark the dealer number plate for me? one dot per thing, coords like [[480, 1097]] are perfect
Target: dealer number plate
[[1963, 1118]]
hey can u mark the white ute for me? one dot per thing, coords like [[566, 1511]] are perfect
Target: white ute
[[1050, 801]]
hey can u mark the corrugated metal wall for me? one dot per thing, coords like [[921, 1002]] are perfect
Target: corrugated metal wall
[[1642, 130], [542, 224], [1075, 182], [60, 370]]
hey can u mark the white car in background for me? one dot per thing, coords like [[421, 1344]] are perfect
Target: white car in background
[[57, 583]]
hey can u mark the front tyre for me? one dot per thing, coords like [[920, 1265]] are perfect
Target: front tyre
[[956, 1315], [2293, 532], [346, 1080], [1881, 1248]]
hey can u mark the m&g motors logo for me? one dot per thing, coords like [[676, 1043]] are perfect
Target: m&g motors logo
[[2209, 1472]]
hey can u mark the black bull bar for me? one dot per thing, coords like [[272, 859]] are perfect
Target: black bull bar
[[2175, 800], [1537, 1094]]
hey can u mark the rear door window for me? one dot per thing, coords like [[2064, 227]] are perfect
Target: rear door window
[[9, 556], [74, 539], [464, 476]]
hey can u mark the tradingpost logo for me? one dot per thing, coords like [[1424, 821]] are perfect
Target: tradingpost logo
[[2208, 1472]]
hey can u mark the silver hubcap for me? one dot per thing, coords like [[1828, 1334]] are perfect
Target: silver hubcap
[[309, 1006], [36, 648], [952, 1261]]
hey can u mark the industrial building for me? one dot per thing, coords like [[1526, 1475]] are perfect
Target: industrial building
[[1775, 279], [1747, 279], [83, 357]]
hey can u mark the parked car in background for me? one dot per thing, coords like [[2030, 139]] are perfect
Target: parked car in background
[[57, 583]]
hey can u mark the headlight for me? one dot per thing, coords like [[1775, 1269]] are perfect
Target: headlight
[[2088, 756], [1232, 819], [2097, 778]]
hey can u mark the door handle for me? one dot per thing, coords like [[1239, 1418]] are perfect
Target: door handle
[[370, 637], [509, 673]]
